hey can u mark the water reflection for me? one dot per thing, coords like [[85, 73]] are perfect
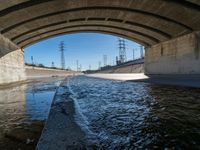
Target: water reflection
[[23, 109], [38, 104], [12, 106]]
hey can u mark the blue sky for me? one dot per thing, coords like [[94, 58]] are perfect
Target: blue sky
[[87, 48]]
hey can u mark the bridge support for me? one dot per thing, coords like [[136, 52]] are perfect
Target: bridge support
[[177, 56], [11, 62]]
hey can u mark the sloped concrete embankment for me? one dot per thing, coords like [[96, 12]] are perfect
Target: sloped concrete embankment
[[136, 66], [61, 131], [38, 72]]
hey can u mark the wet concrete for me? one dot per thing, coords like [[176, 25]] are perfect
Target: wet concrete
[[24, 108], [23, 136], [61, 132]]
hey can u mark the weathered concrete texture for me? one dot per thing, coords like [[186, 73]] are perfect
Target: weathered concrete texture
[[12, 67], [6, 46], [60, 131], [37, 72], [136, 68], [177, 56]]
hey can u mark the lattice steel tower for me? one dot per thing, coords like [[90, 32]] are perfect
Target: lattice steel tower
[[52, 64], [122, 50], [62, 49], [105, 60]]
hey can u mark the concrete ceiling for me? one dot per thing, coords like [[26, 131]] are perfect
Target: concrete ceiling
[[147, 22]]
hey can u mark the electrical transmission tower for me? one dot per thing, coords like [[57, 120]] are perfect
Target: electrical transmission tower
[[105, 60], [32, 60], [99, 64], [52, 65], [62, 49], [133, 54], [141, 51], [89, 67], [122, 50], [77, 66], [80, 67]]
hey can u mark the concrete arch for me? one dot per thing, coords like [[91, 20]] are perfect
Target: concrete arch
[[150, 22], [98, 21], [89, 28], [145, 36]]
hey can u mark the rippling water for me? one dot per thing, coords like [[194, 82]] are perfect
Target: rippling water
[[129, 115]]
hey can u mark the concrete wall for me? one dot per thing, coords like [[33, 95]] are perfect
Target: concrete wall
[[177, 56], [136, 68], [6, 46], [38, 72], [12, 67]]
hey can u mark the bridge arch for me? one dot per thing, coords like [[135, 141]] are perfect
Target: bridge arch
[[146, 22]]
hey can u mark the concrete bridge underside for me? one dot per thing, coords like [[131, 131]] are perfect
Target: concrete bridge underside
[[162, 26]]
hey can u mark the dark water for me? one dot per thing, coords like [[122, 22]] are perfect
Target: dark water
[[131, 115], [23, 109]]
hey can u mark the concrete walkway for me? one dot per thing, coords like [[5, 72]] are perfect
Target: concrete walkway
[[175, 80], [60, 131]]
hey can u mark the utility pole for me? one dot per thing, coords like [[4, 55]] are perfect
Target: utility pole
[[77, 65], [141, 51], [122, 50], [80, 67], [52, 65], [133, 54], [105, 60], [117, 60], [99, 64], [89, 67], [32, 60], [62, 55], [113, 62]]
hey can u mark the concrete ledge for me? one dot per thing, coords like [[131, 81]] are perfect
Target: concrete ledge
[[60, 131]]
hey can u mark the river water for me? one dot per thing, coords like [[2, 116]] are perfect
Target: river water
[[23, 110], [135, 115], [113, 114]]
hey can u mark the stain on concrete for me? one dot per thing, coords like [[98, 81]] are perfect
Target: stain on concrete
[[197, 46]]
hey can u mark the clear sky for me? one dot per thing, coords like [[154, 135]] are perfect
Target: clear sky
[[87, 48]]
